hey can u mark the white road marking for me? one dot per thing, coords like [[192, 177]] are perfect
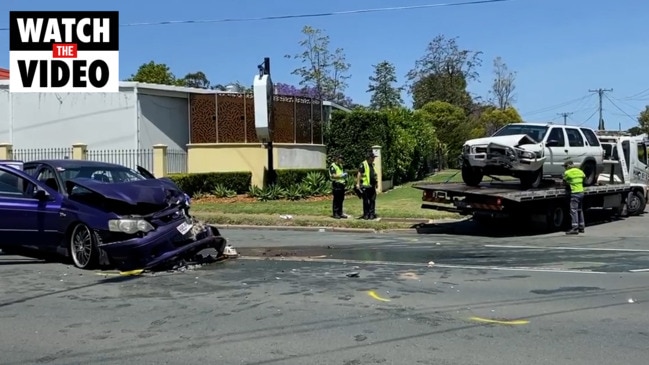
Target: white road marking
[[410, 264], [569, 248], [639, 270]]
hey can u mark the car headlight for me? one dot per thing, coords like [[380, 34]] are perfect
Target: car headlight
[[466, 149], [526, 154], [130, 226]]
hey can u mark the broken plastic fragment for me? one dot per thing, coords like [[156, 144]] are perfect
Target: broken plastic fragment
[[353, 274], [431, 263]]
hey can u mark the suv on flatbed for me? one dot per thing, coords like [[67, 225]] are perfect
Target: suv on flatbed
[[531, 151]]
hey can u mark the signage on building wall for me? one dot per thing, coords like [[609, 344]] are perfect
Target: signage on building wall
[[64, 51]]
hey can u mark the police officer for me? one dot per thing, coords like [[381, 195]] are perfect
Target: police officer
[[574, 179], [337, 176], [366, 181]]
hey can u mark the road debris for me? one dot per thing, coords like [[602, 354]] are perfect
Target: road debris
[[353, 274], [431, 264]]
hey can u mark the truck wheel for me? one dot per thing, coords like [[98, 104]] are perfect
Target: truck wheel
[[470, 175], [532, 180], [556, 218], [635, 203], [590, 170]]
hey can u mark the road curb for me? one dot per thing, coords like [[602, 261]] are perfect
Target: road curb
[[296, 228]]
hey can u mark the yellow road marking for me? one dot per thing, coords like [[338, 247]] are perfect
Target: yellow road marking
[[120, 273], [495, 321], [373, 294]]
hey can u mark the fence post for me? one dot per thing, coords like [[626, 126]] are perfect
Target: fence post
[[79, 151], [160, 160], [6, 151], [378, 167]]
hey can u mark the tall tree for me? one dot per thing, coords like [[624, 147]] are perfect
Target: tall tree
[[291, 90], [503, 84], [155, 73], [325, 70], [197, 79], [384, 94], [443, 73], [643, 120]]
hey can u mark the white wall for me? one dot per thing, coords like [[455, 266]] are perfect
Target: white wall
[[5, 114], [300, 157], [102, 120], [163, 119]]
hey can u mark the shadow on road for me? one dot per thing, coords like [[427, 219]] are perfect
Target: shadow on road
[[507, 228]]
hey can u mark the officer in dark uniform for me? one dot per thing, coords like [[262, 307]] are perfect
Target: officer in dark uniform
[[337, 176], [367, 181]]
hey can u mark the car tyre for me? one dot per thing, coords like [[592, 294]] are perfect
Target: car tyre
[[590, 170], [470, 175], [635, 203], [556, 218], [532, 180], [83, 247]]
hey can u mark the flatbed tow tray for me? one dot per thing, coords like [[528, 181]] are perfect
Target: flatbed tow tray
[[512, 191]]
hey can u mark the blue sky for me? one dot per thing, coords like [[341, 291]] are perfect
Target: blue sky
[[559, 48]]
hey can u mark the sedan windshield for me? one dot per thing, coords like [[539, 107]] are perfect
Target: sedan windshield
[[533, 131], [101, 173]]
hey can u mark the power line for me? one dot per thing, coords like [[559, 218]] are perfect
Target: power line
[[636, 95], [555, 107], [620, 109], [565, 116], [587, 119], [600, 92], [313, 15]]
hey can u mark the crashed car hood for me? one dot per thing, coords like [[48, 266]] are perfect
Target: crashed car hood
[[513, 140], [150, 191]]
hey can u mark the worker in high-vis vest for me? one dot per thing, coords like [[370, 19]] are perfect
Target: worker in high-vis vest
[[338, 176], [574, 179], [366, 181]]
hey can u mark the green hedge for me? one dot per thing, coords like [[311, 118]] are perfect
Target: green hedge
[[208, 181], [286, 178]]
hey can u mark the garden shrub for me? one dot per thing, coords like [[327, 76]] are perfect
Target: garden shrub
[[222, 182]]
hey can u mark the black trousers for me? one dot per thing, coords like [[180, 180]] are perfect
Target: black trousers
[[338, 191], [369, 201]]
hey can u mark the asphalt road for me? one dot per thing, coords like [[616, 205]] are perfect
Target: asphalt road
[[547, 299]]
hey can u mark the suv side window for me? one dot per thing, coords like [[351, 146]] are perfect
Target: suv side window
[[47, 176], [556, 134], [574, 137], [591, 137]]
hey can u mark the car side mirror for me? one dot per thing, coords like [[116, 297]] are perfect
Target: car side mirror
[[552, 143], [41, 195]]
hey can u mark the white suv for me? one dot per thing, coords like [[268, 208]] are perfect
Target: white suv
[[531, 151]]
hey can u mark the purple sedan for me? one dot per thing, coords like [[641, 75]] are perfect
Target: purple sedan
[[99, 214]]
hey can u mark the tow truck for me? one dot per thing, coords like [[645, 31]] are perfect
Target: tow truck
[[621, 187]]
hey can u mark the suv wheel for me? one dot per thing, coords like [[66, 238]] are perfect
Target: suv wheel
[[590, 171], [470, 175], [532, 180]]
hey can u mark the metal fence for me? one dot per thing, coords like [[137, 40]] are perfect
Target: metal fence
[[176, 159], [129, 158], [176, 162], [32, 154]]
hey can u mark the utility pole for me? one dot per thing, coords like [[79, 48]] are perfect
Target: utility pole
[[565, 117], [600, 92]]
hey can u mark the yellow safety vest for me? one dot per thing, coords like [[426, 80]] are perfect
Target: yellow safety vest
[[366, 174], [338, 172], [575, 178]]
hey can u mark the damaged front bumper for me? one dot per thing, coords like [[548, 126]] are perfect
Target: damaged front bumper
[[503, 158], [166, 244]]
